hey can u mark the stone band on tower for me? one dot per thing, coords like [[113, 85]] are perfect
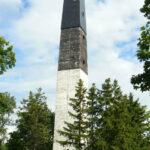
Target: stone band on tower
[[72, 63]]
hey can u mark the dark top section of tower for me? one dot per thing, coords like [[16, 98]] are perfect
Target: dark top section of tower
[[74, 14]]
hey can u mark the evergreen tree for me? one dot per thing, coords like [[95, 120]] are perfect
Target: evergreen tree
[[15, 142], [139, 123], [75, 132], [51, 131], [123, 123], [92, 117], [114, 121], [105, 100], [7, 104], [34, 126]]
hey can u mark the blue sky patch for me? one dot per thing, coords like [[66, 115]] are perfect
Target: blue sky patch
[[26, 3]]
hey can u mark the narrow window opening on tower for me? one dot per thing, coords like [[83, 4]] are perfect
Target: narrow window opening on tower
[[83, 62], [83, 13], [83, 37]]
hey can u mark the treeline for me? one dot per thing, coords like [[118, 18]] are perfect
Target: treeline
[[35, 121], [106, 119], [35, 125]]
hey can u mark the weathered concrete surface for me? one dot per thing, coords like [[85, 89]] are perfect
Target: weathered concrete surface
[[73, 50], [66, 82]]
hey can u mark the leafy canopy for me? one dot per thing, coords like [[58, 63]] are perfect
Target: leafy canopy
[[7, 102], [142, 81], [7, 56]]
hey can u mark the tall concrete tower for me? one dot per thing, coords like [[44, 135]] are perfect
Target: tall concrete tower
[[72, 63]]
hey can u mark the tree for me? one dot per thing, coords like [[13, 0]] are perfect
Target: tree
[[15, 142], [7, 105], [142, 81], [75, 132], [7, 102], [92, 117], [34, 126], [7, 56], [51, 131], [146, 9], [107, 97], [106, 119], [122, 123]]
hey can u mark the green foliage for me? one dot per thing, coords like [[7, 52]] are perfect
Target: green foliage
[[144, 44], [7, 56], [34, 126], [146, 9], [7, 104], [75, 131], [123, 122], [3, 147], [106, 119], [142, 81], [92, 112], [15, 142], [108, 97]]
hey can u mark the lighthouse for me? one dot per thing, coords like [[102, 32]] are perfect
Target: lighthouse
[[72, 64]]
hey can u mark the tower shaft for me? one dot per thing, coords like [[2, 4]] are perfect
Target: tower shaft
[[72, 63]]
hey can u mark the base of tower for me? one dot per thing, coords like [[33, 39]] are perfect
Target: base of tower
[[66, 82]]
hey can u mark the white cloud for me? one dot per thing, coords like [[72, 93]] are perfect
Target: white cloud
[[6, 5], [39, 26], [9, 10], [36, 35]]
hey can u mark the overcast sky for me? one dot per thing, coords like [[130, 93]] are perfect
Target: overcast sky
[[33, 28]]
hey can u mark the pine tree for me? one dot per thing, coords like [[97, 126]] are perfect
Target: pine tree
[[114, 121], [34, 130], [92, 116], [16, 142], [105, 100], [75, 132], [140, 124], [123, 122], [7, 105]]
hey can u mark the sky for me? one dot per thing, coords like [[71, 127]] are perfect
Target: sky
[[33, 28]]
